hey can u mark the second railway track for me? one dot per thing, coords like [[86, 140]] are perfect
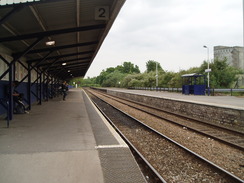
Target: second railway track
[[225, 135], [236, 169]]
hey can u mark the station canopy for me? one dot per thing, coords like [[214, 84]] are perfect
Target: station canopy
[[62, 36]]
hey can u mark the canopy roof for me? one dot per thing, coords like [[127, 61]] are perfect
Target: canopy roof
[[78, 28]]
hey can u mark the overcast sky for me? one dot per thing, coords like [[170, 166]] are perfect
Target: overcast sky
[[171, 32]]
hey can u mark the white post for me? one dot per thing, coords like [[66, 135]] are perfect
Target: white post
[[208, 66], [156, 75], [208, 70]]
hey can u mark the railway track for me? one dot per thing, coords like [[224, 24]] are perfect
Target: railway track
[[222, 134], [172, 161]]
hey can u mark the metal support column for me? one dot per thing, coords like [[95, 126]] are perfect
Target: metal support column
[[46, 89], [11, 71], [52, 87], [40, 88], [29, 87], [10, 99]]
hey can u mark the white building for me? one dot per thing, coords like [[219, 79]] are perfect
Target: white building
[[234, 55]]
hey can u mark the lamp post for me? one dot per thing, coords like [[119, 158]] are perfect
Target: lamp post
[[243, 35], [156, 75], [208, 70]]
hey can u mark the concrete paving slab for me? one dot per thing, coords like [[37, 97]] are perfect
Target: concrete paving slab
[[53, 143], [64, 126], [51, 167], [61, 141]]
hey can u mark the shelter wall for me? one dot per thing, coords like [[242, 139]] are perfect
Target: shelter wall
[[20, 73], [5, 53], [22, 88], [20, 70]]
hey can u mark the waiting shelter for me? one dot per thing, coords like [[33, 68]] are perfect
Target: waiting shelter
[[193, 84]]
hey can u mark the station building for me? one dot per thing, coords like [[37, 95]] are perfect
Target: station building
[[234, 55]]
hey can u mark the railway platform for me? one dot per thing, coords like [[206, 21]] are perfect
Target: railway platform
[[64, 142], [221, 110], [221, 101]]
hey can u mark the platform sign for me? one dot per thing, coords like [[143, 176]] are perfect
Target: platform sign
[[208, 70], [10, 2], [102, 13]]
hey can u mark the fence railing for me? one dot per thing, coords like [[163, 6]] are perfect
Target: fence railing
[[230, 90], [157, 89], [213, 91]]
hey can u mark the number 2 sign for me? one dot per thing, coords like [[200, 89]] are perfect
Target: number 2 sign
[[102, 13]]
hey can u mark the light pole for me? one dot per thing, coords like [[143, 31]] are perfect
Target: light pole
[[208, 70], [156, 76]]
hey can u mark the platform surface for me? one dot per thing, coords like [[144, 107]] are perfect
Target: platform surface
[[222, 101], [64, 142]]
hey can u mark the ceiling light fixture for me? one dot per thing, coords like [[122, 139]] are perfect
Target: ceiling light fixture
[[64, 63], [50, 43]]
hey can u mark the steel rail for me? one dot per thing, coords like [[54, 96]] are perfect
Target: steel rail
[[182, 116], [159, 177], [230, 175], [182, 125]]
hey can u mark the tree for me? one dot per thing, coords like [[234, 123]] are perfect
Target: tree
[[113, 79], [149, 79], [164, 80], [223, 75], [110, 70], [81, 82], [128, 68], [136, 69], [151, 66], [100, 79], [132, 80], [126, 80], [128, 75]]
